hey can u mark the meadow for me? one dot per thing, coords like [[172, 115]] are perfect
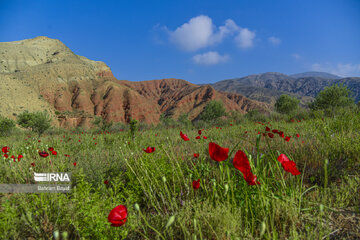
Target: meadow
[[176, 190]]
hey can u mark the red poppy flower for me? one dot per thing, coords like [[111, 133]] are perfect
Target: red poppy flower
[[196, 155], [6, 156], [292, 120], [241, 162], [297, 135], [230, 124], [39, 140], [5, 149], [196, 184], [289, 166], [218, 153], [43, 154], [275, 131], [118, 216], [199, 132], [67, 155], [264, 134], [106, 182], [271, 135], [54, 153], [20, 157], [33, 164], [303, 141], [184, 136], [74, 164], [12, 156], [281, 134], [267, 129], [149, 149], [205, 137], [51, 149], [287, 138], [198, 137]]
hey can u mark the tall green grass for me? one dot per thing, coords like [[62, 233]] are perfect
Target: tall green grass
[[157, 187]]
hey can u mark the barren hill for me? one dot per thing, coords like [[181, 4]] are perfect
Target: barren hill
[[43, 74]]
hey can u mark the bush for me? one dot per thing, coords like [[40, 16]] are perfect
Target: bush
[[213, 110], [255, 115], [184, 120], [332, 98], [286, 104], [37, 122], [102, 124], [6, 126]]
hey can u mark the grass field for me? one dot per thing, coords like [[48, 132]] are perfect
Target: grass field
[[111, 168]]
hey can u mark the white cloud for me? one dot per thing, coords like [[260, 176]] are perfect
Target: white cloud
[[296, 56], [344, 70], [245, 38], [200, 32], [210, 58], [274, 41]]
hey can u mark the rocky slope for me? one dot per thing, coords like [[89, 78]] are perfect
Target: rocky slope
[[43, 74]]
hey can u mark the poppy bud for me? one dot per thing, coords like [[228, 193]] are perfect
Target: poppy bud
[[262, 229], [56, 235], [226, 188], [64, 235], [170, 221], [136, 206], [164, 179]]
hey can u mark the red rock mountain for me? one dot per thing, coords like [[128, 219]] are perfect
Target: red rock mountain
[[43, 74]]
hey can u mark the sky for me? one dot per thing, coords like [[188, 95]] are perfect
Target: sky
[[199, 41]]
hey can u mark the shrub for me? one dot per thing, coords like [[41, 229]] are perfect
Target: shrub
[[213, 110], [184, 120], [133, 127], [332, 98], [6, 126], [37, 122], [286, 104], [255, 115]]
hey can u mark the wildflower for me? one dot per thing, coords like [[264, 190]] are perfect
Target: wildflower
[[51, 149], [198, 137], [196, 184], [5, 149], [271, 135], [54, 153], [184, 136], [106, 182], [118, 216], [74, 164], [297, 135], [205, 137], [196, 155], [289, 166], [218, 153], [20, 157], [33, 164], [287, 138], [199, 132], [149, 149], [6, 156], [43, 154], [241, 162], [281, 134], [275, 131], [267, 129]]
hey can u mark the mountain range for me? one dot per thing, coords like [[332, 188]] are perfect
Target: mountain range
[[267, 87], [43, 74]]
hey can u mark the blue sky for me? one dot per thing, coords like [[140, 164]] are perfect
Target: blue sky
[[199, 41]]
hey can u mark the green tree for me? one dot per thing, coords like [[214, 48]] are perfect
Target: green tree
[[213, 110], [332, 98], [37, 122], [286, 104], [6, 126]]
